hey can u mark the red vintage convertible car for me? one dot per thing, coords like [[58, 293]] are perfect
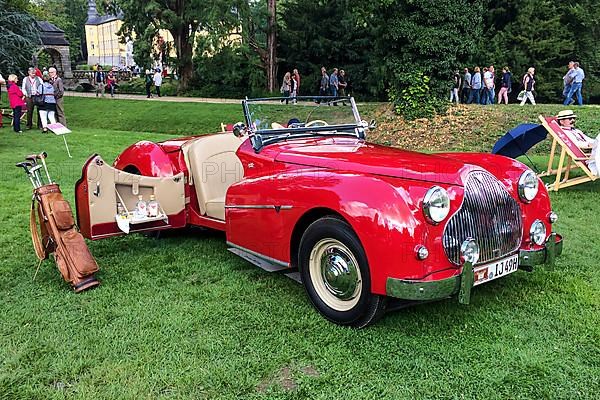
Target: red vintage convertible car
[[298, 189]]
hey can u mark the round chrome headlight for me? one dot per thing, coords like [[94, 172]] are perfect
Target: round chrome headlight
[[436, 204], [537, 232], [528, 186], [469, 251]]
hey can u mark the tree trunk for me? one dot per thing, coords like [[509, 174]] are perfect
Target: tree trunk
[[271, 46], [183, 48]]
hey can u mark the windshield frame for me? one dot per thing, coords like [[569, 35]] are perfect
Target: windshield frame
[[262, 137]]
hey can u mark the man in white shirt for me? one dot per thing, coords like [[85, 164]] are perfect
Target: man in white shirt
[[566, 119], [31, 86], [157, 81]]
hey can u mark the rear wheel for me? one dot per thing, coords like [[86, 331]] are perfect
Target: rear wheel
[[335, 273]]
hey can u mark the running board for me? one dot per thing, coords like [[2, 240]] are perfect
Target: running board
[[258, 261], [265, 264]]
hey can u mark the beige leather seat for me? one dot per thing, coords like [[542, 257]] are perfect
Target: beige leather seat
[[214, 167]]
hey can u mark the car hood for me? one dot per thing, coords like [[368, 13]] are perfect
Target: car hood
[[358, 156]]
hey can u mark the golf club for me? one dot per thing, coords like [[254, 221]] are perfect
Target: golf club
[[35, 171], [32, 158], [26, 165], [42, 156]]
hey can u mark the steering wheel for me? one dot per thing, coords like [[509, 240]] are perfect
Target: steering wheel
[[316, 122]]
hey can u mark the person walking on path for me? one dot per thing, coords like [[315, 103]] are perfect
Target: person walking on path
[[506, 85], [111, 83], [2, 82], [15, 99], [286, 87], [577, 76], [324, 86], [334, 82], [466, 87], [475, 86], [30, 88], [157, 81], [59, 92], [296, 77], [48, 109], [99, 81], [149, 81], [456, 84], [529, 85]]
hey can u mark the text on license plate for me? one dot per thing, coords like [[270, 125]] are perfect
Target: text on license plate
[[496, 269]]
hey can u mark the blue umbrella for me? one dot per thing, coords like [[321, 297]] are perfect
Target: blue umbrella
[[520, 139]]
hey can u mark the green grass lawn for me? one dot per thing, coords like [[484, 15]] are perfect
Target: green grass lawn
[[180, 317]]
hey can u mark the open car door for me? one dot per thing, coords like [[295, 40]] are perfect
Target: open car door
[[106, 198]]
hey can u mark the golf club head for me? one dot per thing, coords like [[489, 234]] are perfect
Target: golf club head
[[25, 165], [32, 158]]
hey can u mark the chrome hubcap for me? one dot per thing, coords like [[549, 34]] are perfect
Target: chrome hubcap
[[335, 274]]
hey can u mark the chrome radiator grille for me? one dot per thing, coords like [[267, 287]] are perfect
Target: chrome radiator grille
[[489, 215]]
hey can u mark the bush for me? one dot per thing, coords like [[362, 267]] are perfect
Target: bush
[[415, 99], [138, 86], [230, 72]]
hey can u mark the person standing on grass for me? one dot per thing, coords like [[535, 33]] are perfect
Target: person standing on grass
[[48, 109], [529, 85], [456, 84], [506, 85], [59, 92], [475, 86], [30, 85], [466, 87], [149, 81], [568, 80], [100, 81], [15, 99], [157, 81], [577, 76]]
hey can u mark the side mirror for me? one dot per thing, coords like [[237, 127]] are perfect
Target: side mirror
[[239, 129]]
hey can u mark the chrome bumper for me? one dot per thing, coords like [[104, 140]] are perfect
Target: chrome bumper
[[463, 283]]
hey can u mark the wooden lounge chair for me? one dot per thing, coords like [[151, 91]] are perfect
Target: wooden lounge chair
[[571, 157], [9, 114]]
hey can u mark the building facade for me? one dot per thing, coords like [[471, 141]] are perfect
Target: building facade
[[103, 44]]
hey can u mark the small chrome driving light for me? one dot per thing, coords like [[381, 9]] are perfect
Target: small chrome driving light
[[422, 252], [436, 205], [469, 251], [528, 186], [552, 217], [537, 232]]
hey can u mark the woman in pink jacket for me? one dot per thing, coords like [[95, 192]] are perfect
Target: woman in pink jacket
[[15, 98]]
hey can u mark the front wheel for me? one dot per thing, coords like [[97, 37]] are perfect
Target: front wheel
[[335, 273]]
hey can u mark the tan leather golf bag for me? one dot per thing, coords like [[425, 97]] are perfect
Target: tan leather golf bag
[[58, 235]]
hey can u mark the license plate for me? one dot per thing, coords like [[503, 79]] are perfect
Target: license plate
[[496, 269]]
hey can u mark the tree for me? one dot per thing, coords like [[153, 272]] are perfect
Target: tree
[[336, 33], [68, 15], [143, 19], [260, 33], [20, 37]]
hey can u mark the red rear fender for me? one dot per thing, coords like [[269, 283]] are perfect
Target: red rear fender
[[148, 158]]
